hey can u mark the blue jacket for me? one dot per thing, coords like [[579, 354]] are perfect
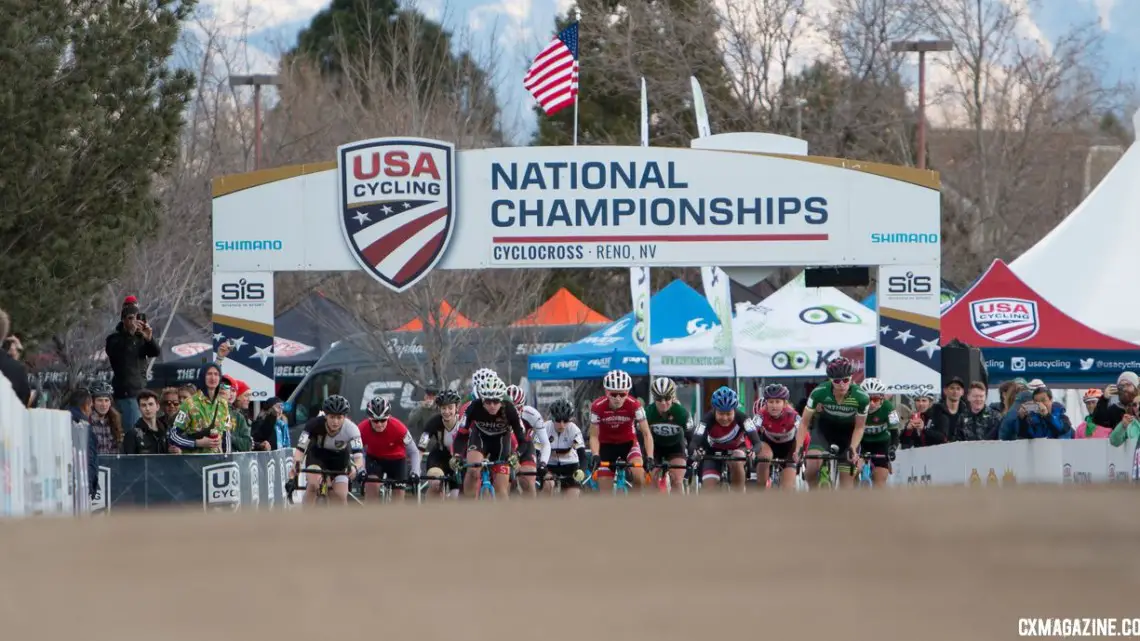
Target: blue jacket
[[1054, 425]]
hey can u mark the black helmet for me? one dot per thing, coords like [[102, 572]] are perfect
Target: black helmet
[[336, 404], [379, 408], [561, 410], [102, 389], [840, 368], [448, 397]]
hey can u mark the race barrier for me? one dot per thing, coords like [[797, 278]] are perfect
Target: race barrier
[[1003, 463], [43, 460], [242, 480]]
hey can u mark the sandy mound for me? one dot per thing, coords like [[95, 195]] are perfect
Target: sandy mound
[[902, 564]]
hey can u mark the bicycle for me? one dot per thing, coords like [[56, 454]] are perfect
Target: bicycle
[[865, 472], [832, 459], [775, 470], [622, 484], [531, 473], [724, 475], [322, 489], [666, 480], [485, 482], [387, 485]]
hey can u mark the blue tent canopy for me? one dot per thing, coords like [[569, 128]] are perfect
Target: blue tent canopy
[[674, 312]]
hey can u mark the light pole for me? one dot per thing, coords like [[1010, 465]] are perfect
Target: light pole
[[799, 105], [922, 46], [257, 81]]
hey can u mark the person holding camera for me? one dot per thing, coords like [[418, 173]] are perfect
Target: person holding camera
[[1038, 417], [127, 350]]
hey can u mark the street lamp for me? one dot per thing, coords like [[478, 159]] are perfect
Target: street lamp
[[257, 81], [922, 46], [799, 103]]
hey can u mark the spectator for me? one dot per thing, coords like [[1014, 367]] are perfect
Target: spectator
[[147, 435], [80, 406], [186, 391], [106, 422], [422, 414], [10, 366], [1088, 428], [240, 438], [1037, 417], [204, 416], [271, 431], [912, 434], [1129, 427], [1035, 384], [127, 350], [944, 418], [1110, 408], [168, 407], [981, 421], [1008, 392]]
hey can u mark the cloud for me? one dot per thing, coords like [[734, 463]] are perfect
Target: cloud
[[1104, 12]]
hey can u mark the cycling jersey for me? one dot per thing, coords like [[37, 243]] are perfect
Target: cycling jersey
[[880, 423], [316, 433], [712, 435], [836, 414], [536, 435], [566, 445], [617, 426], [391, 443], [669, 428], [778, 429], [478, 424], [437, 439]]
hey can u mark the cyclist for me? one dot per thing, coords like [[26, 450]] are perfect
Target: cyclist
[[725, 430], [881, 436], [568, 450], [616, 421], [842, 407], [484, 433], [330, 442], [480, 376], [536, 439], [436, 441], [388, 450], [776, 420], [671, 426]]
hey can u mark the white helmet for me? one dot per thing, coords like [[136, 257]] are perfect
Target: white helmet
[[873, 386], [481, 375], [617, 381], [492, 389], [517, 395], [664, 388]]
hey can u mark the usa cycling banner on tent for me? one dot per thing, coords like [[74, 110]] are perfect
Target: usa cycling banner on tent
[[243, 319]]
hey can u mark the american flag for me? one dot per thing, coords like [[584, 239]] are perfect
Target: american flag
[[553, 76]]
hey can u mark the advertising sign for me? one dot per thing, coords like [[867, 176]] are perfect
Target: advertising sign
[[243, 318], [909, 358]]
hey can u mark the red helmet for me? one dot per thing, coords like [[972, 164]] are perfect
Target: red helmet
[[840, 368]]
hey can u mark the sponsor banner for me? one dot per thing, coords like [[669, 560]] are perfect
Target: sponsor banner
[[908, 357], [240, 481], [1059, 365], [243, 318], [1008, 463], [718, 292], [640, 293], [393, 207]]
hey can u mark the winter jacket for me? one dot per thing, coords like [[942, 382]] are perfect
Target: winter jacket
[[240, 438], [200, 416], [979, 426], [942, 426], [141, 439], [1106, 413], [1055, 424], [127, 354], [1089, 429], [1122, 433], [80, 419]]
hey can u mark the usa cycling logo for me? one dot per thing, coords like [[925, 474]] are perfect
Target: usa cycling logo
[[1005, 320], [397, 202]]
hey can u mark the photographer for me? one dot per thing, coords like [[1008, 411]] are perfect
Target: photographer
[[127, 350], [1038, 417]]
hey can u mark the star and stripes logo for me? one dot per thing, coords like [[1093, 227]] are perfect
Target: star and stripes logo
[[1005, 320], [397, 198]]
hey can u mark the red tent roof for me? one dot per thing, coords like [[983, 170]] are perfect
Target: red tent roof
[[563, 308], [1000, 310], [445, 317]]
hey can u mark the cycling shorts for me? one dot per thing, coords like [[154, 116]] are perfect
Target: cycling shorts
[[877, 448], [783, 450], [394, 469], [611, 452], [824, 436], [670, 451], [712, 468], [329, 460], [563, 475], [493, 448]]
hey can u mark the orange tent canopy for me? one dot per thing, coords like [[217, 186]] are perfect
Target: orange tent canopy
[[446, 316], [563, 308]]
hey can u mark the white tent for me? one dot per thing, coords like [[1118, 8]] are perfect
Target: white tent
[[1086, 264], [783, 336]]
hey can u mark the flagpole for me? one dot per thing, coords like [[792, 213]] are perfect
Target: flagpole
[[578, 19]]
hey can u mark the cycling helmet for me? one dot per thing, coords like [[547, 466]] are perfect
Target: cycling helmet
[[776, 390], [561, 410], [517, 395], [1091, 395], [102, 389], [492, 389], [617, 381], [336, 404], [932, 396], [664, 389], [448, 397], [379, 408], [725, 399], [840, 368], [874, 387]]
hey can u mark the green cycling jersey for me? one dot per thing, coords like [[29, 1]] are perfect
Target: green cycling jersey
[[880, 423], [669, 427], [838, 414]]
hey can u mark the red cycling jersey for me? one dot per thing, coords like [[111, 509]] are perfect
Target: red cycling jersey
[[389, 444], [778, 429], [620, 425]]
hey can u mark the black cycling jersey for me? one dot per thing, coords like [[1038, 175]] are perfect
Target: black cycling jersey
[[477, 418], [432, 441]]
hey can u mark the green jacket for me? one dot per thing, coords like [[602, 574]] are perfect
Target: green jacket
[[198, 417], [242, 437], [1124, 432]]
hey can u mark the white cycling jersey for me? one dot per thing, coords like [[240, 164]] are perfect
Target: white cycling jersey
[[568, 439], [533, 421], [347, 438]]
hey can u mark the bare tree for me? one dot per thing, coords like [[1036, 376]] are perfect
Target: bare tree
[[761, 40]]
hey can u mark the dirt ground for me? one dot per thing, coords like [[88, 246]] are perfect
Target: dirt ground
[[914, 564]]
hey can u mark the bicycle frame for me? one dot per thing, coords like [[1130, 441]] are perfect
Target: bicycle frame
[[832, 469], [621, 483], [486, 485], [725, 482], [662, 469]]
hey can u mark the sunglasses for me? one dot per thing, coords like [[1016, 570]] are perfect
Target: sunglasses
[[171, 402], [841, 380], [489, 401], [618, 394]]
